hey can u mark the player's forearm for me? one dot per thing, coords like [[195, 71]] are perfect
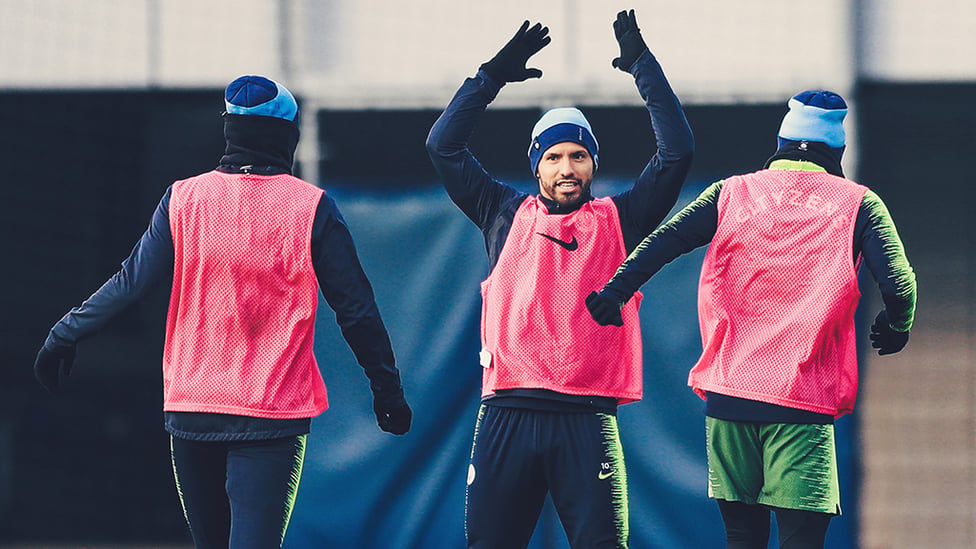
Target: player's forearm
[[467, 183], [675, 141], [150, 261], [884, 254], [448, 138], [657, 188], [692, 227]]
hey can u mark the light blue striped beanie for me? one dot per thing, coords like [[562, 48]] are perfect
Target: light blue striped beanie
[[559, 125], [815, 115]]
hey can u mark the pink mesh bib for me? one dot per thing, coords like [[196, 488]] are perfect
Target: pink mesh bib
[[778, 291], [240, 326], [535, 329]]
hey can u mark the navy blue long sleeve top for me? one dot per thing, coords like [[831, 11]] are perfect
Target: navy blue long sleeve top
[[492, 204], [264, 146]]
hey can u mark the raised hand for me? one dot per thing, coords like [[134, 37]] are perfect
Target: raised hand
[[629, 39], [508, 65]]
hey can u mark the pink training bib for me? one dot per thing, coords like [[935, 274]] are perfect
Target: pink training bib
[[239, 331], [535, 329], [778, 291]]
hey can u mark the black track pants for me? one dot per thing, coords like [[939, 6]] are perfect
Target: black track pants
[[238, 495]]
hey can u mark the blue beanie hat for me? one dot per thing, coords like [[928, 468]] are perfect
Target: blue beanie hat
[[257, 95], [560, 125], [815, 115]]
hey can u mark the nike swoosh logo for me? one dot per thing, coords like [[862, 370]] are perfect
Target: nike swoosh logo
[[603, 475], [569, 246]]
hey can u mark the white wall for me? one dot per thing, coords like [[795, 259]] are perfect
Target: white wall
[[135, 43], [380, 53], [418, 51], [909, 40]]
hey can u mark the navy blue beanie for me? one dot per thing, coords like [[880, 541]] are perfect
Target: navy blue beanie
[[815, 115], [560, 125], [257, 95]]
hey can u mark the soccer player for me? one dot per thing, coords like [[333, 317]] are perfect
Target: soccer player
[[249, 247], [552, 380], [776, 304]]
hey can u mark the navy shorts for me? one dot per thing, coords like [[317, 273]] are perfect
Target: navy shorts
[[520, 455]]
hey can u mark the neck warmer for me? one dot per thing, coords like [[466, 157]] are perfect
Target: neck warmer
[[262, 145], [810, 151]]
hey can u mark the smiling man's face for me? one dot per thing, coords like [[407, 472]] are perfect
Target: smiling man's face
[[565, 173]]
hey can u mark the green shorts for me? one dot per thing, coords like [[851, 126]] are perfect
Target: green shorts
[[792, 466]]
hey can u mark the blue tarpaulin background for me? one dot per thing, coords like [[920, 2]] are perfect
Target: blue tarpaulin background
[[367, 489]]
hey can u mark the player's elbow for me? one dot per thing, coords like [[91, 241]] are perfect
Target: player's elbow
[[436, 147], [680, 161]]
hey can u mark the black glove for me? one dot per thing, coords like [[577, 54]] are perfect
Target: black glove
[[886, 340], [604, 309], [508, 65], [393, 414], [630, 40], [51, 364]]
